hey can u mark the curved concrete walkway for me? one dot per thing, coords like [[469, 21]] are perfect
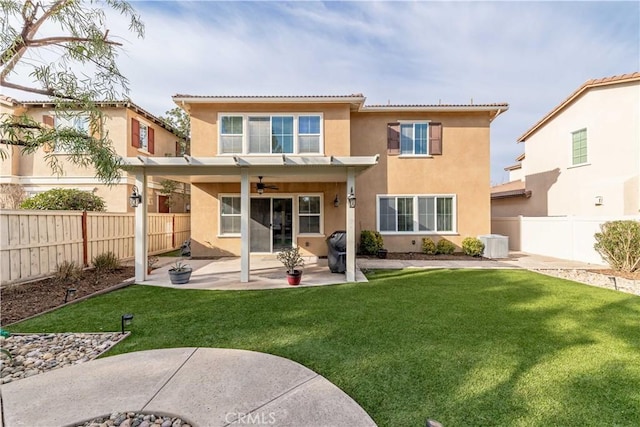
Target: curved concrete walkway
[[204, 386]]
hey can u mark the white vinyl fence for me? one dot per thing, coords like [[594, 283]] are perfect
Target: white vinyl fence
[[33, 243], [565, 237]]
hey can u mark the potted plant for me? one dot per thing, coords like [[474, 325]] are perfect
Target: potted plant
[[291, 259], [382, 253], [180, 273]]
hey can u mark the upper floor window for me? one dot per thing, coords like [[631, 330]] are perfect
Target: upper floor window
[[270, 134], [579, 147], [416, 214], [67, 125], [420, 138], [413, 138], [142, 136]]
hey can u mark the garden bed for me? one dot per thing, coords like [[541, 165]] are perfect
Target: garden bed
[[24, 300], [458, 256]]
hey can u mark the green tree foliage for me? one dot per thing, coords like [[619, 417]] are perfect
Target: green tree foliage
[[65, 199], [619, 244], [180, 121], [74, 67]]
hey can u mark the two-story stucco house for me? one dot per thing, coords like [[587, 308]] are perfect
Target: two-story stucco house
[[269, 172], [133, 132], [582, 158]]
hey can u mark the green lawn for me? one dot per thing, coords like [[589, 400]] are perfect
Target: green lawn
[[465, 347]]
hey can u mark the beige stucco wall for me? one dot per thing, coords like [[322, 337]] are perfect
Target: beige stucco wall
[[35, 174], [205, 216], [204, 124], [611, 116], [462, 170]]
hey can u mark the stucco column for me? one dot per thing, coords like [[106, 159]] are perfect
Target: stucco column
[[140, 224], [351, 228], [245, 217]]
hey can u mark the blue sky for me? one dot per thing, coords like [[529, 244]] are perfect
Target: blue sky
[[529, 54]]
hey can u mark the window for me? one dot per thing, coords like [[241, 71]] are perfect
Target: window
[[579, 147], [270, 134], [142, 136], [413, 138], [309, 134], [230, 215], [416, 214], [309, 215], [231, 134], [74, 123]]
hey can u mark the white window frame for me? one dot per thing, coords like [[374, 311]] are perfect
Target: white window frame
[[245, 132], [57, 117], [145, 147], [220, 214], [414, 123], [416, 228], [320, 214]]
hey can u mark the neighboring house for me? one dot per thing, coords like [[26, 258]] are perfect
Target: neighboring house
[[133, 132], [582, 158], [286, 167]]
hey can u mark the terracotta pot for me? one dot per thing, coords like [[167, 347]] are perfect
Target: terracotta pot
[[294, 278]]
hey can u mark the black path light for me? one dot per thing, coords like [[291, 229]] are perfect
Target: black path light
[[71, 293], [126, 320]]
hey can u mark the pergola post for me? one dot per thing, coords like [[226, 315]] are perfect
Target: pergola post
[[140, 225], [351, 228], [245, 217]]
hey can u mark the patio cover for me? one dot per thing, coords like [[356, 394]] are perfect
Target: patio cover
[[239, 168]]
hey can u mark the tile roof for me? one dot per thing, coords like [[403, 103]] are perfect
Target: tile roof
[[510, 189], [589, 84]]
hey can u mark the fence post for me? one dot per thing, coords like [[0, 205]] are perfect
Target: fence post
[[173, 232], [85, 240]]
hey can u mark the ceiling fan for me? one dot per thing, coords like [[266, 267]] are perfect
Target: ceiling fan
[[261, 186]]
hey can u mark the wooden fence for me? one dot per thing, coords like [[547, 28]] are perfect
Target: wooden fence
[[33, 243]]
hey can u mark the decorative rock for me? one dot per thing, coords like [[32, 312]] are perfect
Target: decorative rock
[[43, 352], [167, 423]]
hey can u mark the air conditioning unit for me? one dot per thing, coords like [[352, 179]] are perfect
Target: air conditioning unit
[[495, 245]]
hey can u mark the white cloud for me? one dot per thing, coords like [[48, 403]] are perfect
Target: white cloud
[[531, 55]]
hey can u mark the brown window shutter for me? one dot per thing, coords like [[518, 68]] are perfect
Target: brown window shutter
[[135, 133], [393, 139], [48, 120], [151, 145], [435, 139]]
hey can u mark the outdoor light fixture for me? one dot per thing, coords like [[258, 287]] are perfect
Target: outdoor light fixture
[[336, 201], [260, 190], [598, 200], [71, 293], [126, 320], [135, 198], [352, 199]]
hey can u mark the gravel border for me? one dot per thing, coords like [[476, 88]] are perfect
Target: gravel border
[[135, 419], [595, 279], [35, 354]]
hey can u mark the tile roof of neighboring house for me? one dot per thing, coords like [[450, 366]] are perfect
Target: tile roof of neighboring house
[[510, 189], [606, 81], [119, 103]]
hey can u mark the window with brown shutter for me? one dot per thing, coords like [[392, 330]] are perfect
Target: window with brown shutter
[[135, 133], [151, 145], [393, 139], [435, 139]]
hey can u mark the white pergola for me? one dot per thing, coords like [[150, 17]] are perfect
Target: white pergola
[[238, 168]]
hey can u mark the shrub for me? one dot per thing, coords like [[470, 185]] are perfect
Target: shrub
[[445, 247], [472, 246], [67, 272], [428, 247], [65, 199], [106, 262], [619, 244], [370, 242]]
